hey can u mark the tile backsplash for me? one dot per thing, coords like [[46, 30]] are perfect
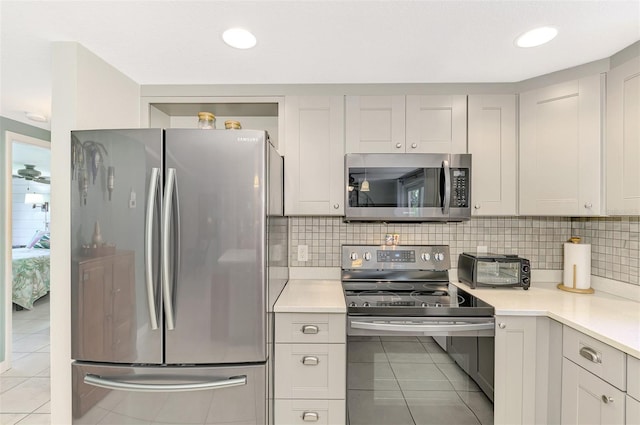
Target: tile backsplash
[[615, 251], [540, 239]]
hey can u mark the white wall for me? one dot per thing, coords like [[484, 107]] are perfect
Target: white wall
[[26, 220], [87, 93]]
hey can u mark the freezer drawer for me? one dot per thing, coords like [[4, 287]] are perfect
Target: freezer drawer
[[105, 394]]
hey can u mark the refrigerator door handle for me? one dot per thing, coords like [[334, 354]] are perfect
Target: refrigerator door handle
[[148, 247], [166, 245], [116, 384]]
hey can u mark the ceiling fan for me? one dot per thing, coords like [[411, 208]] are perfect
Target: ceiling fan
[[29, 172]]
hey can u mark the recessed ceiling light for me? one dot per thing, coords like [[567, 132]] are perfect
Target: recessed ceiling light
[[536, 37], [34, 116], [239, 38]]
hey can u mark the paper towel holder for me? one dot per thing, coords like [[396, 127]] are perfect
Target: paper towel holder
[[562, 286]]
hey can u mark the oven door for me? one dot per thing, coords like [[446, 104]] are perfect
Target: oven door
[[421, 326], [414, 370]]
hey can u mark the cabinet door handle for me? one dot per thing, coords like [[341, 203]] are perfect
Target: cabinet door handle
[[310, 329], [588, 205], [398, 145], [336, 206], [414, 145], [590, 354], [312, 416], [310, 361], [606, 399], [476, 206], [502, 325]]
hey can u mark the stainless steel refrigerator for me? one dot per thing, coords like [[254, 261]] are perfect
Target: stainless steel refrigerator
[[178, 252]]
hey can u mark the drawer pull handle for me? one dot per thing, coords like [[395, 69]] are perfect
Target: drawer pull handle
[[606, 399], [312, 416], [310, 361], [310, 329], [590, 354]]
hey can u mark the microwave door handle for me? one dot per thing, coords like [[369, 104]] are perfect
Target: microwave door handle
[[447, 187]]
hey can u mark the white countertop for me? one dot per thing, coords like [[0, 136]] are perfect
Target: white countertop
[[610, 319], [311, 296], [606, 317]]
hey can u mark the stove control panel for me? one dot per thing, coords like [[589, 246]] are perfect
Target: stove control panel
[[400, 257]]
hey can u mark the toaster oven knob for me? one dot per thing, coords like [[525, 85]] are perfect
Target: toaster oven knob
[[353, 256], [525, 280], [367, 256], [525, 268], [366, 304], [426, 256]]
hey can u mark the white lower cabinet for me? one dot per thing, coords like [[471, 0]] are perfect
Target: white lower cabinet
[[310, 369], [632, 414], [527, 370], [324, 412], [587, 399], [594, 381]]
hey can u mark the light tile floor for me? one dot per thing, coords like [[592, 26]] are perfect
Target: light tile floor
[[410, 381], [25, 388]]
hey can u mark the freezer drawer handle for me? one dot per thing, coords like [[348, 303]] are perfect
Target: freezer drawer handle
[[115, 384], [309, 329], [310, 361], [310, 416]]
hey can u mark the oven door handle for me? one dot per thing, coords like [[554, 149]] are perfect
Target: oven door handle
[[442, 326]]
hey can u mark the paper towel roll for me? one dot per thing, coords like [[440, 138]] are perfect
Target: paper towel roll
[[577, 265]]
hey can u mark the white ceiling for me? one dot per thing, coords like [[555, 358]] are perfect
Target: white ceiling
[[312, 41]]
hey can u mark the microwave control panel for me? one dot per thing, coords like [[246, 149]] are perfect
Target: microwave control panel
[[460, 187]]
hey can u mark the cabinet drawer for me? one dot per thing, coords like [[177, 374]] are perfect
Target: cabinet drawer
[[302, 412], [597, 357], [316, 371], [588, 399], [633, 377], [310, 328]]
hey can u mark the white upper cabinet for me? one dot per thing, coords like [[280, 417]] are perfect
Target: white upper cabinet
[[623, 139], [560, 149], [437, 124], [314, 159], [493, 145], [420, 124], [375, 124]]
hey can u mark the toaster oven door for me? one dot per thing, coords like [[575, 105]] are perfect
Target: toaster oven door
[[498, 272]]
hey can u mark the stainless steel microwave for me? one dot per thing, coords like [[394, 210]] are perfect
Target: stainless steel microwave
[[407, 187]]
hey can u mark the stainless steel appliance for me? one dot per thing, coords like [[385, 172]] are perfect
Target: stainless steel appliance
[[178, 253], [494, 270], [404, 292], [403, 187]]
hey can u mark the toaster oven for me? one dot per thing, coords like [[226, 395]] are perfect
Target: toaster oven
[[494, 270]]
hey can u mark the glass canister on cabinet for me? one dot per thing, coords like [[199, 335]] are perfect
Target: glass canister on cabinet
[[206, 121]]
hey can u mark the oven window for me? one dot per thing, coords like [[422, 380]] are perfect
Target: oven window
[[395, 187]]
